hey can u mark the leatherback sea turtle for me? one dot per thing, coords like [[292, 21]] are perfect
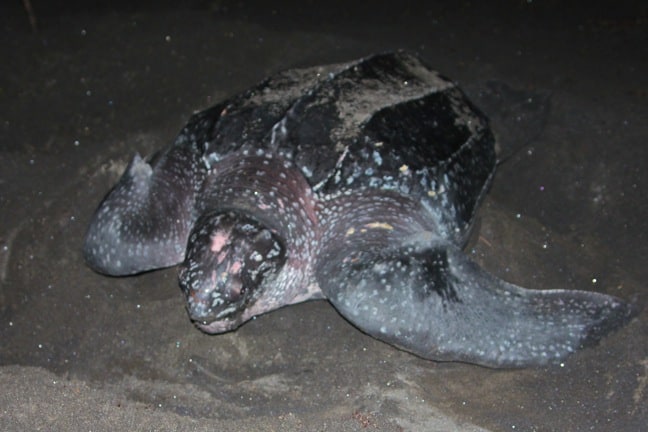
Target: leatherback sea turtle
[[354, 182]]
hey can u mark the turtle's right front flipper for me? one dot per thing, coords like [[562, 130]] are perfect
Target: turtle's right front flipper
[[143, 222], [435, 302]]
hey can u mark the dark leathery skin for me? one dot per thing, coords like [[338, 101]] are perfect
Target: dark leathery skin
[[356, 182]]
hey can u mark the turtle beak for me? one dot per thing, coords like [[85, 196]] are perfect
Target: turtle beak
[[211, 314], [212, 295]]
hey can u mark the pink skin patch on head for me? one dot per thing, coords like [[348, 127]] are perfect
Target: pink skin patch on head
[[221, 257], [218, 240], [235, 267]]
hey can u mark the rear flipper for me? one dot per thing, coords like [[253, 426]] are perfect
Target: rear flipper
[[438, 304], [143, 222]]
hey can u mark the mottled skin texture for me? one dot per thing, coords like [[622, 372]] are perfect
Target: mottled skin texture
[[353, 182]]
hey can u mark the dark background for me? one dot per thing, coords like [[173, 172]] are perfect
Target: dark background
[[99, 81]]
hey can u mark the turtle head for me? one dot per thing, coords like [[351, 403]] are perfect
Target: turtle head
[[229, 257]]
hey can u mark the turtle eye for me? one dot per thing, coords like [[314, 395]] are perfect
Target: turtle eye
[[266, 255], [234, 289]]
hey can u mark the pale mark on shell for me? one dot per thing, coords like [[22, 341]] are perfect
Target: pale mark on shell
[[380, 225]]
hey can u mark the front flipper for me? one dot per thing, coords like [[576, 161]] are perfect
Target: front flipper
[[143, 222], [438, 304]]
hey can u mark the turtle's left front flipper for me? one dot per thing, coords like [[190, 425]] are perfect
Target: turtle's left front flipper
[[144, 221], [435, 302]]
